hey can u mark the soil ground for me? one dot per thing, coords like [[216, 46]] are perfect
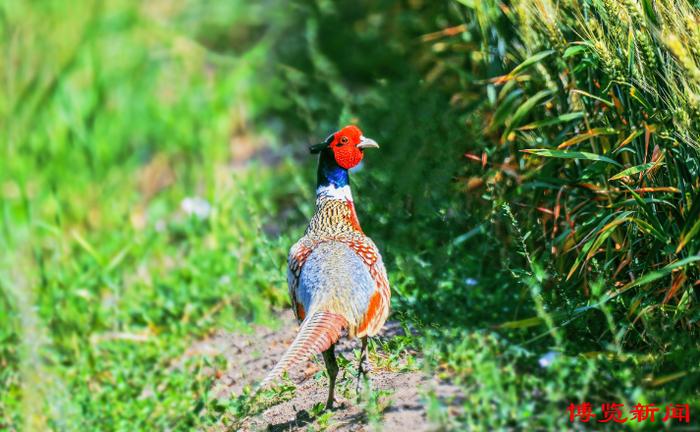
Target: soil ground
[[401, 405]]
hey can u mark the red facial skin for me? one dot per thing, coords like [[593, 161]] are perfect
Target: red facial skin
[[344, 147]]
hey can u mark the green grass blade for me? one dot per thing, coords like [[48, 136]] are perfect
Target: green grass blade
[[530, 61], [632, 170], [504, 108], [658, 274], [562, 154], [592, 133], [687, 236], [650, 214], [553, 121], [604, 233], [599, 99], [629, 138], [575, 50], [525, 108], [602, 227]]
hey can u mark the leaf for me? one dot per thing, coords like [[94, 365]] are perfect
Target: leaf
[[562, 154], [529, 322], [649, 229], [574, 50], [467, 3], [658, 229], [553, 121], [636, 96], [587, 135], [630, 50], [479, 229], [581, 92], [678, 280], [525, 108], [649, 11], [604, 233], [658, 274], [692, 216], [667, 378], [632, 170], [504, 108], [629, 139], [622, 357], [530, 61], [669, 189], [523, 323], [686, 236], [88, 248], [590, 242]]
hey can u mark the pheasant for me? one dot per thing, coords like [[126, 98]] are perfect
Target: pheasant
[[336, 277]]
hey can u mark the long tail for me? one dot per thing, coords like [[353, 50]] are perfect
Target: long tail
[[317, 333]]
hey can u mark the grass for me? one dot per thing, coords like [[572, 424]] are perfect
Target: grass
[[111, 279], [536, 199]]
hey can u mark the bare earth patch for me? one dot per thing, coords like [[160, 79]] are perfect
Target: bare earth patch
[[401, 405]]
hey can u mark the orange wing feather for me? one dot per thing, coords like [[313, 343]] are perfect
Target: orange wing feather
[[297, 257], [378, 308]]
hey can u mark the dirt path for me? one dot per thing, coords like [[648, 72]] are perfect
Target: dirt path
[[401, 405]]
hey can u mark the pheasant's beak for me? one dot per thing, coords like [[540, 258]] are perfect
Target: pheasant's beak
[[367, 143]]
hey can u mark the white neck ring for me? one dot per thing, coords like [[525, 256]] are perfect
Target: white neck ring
[[330, 191]]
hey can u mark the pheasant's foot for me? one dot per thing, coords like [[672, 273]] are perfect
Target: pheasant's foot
[[363, 366], [363, 371], [332, 367]]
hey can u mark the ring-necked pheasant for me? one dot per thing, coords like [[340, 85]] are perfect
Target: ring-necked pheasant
[[336, 277]]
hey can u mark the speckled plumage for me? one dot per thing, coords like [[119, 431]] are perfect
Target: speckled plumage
[[336, 276], [335, 228]]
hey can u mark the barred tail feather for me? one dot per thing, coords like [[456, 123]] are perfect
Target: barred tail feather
[[317, 333]]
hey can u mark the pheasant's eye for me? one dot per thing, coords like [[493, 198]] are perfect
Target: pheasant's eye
[[343, 140]]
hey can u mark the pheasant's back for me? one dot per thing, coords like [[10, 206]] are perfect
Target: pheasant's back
[[335, 279]]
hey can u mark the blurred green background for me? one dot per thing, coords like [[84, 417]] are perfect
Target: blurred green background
[[536, 197]]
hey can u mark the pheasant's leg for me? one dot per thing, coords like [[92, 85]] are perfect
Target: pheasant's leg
[[363, 366], [332, 368]]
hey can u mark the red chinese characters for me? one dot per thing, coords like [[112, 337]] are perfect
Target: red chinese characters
[[642, 412], [583, 412], [678, 412], [613, 412]]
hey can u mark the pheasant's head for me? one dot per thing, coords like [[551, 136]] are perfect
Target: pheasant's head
[[346, 146]]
